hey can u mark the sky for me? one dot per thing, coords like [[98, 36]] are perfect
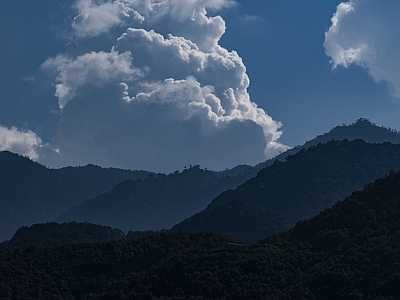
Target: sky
[[158, 85]]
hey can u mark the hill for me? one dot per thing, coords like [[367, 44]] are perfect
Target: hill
[[349, 251], [55, 234], [137, 205], [158, 202], [31, 193], [296, 189], [362, 129]]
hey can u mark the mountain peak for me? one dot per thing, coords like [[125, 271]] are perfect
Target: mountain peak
[[362, 129]]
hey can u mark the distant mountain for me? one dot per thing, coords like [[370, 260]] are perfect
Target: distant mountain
[[55, 234], [297, 188], [31, 193], [362, 129], [349, 251], [158, 202]]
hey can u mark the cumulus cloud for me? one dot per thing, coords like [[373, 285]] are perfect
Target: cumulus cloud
[[19, 141], [166, 95], [95, 18], [95, 68], [367, 33]]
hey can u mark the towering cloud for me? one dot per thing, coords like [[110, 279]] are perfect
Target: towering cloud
[[367, 33], [165, 95]]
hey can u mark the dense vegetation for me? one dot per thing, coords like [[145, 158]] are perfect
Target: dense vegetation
[[350, 251], [55, 234], [298, 188], [31, 193], [158, 202], [239, 219]]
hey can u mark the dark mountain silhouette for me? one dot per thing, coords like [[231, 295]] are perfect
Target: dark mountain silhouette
[[55, 234], [362, 129], [31, 193], [298, 188], [164, 200], [349, 251], [157, 202], [239, 219]]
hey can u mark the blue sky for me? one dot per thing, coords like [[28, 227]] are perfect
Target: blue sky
[[91, 90], [291, 76]]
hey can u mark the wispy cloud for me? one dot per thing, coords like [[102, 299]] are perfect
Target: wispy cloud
[[252, 18]]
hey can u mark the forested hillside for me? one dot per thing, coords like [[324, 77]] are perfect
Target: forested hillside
[[158, 202], [296, 189], [55, 234], [31, 193], [350, 251]]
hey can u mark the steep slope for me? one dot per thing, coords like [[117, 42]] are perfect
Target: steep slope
[[31, 193], [157, 202], [300, 187], [350, 251]]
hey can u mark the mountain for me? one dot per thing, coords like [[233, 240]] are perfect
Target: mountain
[[295, 189], [362, 129], [349, 251], [31, 193], [158, 202], [138, 205], [55, 234]]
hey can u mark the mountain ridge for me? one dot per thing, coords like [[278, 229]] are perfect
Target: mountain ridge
[[31, 193], [157, 202], [362, 129], [298, 188]]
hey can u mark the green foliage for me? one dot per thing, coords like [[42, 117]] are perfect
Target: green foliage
[[76, 271]]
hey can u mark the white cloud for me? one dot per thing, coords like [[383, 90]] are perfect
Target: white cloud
[[165, 96], [96, 18], [96, 68], [183, 18], [367, 33], [24, 142]]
